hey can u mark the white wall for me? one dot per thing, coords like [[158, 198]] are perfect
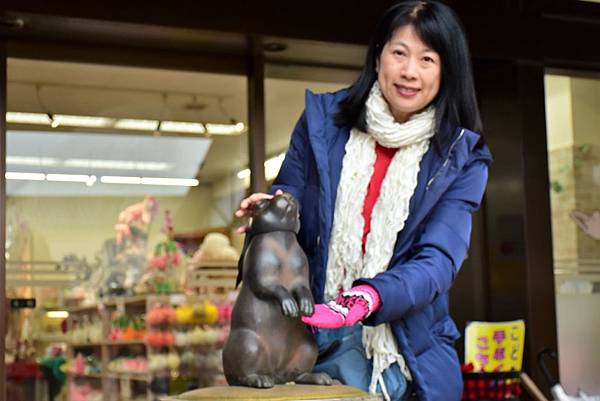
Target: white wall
[[64, 225]]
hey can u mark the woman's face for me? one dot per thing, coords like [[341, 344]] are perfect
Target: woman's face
[[409, 73]]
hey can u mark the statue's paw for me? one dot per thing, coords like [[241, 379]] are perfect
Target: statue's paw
[[289, 307], [307, 307], [321, 378], [259, 381]]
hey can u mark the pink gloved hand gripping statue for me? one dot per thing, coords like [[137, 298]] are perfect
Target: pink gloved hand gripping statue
[[349, 308]]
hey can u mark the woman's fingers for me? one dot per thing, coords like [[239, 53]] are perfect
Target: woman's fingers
[[580, 219], [246, 204]]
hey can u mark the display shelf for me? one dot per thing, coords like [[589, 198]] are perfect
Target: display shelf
[[109, 302], [142, 377], [83, 308], [107, 350], [86, 375], [130, 300], [85, 345], [124, 342], [220, 264], [214, 274], [51, 338]]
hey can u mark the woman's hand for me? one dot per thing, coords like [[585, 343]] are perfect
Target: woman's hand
[[349, 308], [590, 224], [246, 206]]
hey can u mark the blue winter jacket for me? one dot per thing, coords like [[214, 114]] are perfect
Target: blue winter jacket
[[428, 251]]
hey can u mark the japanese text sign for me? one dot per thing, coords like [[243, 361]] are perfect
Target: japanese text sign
[[495, 346]]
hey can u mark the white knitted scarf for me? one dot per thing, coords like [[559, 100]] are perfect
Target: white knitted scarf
[[346, 262]]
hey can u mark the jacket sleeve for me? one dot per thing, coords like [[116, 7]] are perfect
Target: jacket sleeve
[[436, 255], [292, 175]]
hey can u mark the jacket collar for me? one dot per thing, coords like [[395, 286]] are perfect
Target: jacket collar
[[328, 141]]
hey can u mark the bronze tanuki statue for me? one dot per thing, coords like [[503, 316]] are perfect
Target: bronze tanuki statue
[[268, 343]]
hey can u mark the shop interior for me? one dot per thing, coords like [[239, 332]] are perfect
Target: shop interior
[[121, 187]]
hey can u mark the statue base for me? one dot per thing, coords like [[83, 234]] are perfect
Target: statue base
[[285, 392]]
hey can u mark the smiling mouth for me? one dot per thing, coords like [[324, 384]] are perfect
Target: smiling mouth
[[406, 90]]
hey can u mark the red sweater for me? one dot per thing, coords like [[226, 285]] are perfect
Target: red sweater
[[382, 162]]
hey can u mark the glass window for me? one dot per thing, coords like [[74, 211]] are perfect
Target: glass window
[[106, 165], [573, 118]]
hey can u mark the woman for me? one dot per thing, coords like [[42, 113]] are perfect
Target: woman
[[388, 173]]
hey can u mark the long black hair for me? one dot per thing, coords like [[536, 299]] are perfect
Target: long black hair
[[440, 29]]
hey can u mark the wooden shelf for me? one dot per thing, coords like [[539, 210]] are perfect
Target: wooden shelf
[[211, 264], [83, 308], [125, 342], [105, 349], [142, 377], [90, 344], [110, 302], [135, 299], [87, 375], [51, 338]]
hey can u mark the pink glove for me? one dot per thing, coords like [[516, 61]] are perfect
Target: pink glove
[[349, 308]]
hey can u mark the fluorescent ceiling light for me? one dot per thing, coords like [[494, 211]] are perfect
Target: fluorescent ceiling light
[[57, 314], [176, 126], [117, 164], [89, 180], [111, 179], [225, 129], [25, 176], [182, 182], [27, 118], [31, 161], [272, 167], [56, 120], [83, 121], [133, 124]]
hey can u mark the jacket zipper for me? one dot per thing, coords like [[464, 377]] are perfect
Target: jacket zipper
[[436, 175]]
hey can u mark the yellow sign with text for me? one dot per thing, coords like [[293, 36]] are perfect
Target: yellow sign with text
[[495, 346]]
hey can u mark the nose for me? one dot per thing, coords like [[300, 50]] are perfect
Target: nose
[[409, 68]]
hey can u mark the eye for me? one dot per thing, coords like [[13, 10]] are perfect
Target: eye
[[399, 52], [428, 59]]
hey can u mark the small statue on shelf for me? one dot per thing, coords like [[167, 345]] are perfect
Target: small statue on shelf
[[269, 344]]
